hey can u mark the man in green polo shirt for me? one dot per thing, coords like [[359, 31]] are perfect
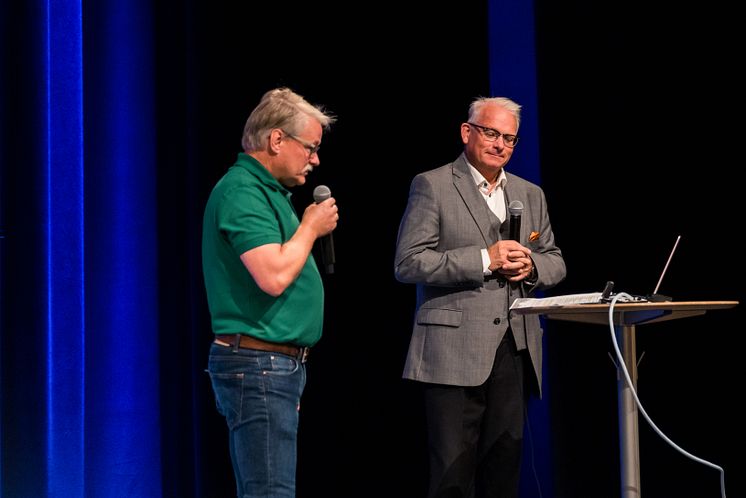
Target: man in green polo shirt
[[264, 291]]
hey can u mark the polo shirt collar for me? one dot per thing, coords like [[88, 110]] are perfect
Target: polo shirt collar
[[262, 174]]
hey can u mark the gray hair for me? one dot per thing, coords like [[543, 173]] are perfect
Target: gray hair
[[478, 104], [280, 108]]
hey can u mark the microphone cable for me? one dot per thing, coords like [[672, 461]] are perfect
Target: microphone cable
[[639, 404]]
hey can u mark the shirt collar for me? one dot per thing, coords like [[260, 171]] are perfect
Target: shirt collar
[[257, 169], [480, 181]]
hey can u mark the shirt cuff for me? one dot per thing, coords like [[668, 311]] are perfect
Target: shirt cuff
[[486, 262]]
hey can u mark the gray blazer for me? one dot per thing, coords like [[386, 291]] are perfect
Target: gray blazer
[[461, 316]]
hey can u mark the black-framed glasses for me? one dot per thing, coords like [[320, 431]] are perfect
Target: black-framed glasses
[[312, 149], [491, 135]]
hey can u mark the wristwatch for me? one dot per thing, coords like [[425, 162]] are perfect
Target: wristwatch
[[533, 277]]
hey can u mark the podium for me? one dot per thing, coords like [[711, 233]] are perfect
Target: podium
[[626, 317]]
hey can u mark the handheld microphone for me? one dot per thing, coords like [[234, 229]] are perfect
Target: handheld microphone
[[320, 194], [516, 209]]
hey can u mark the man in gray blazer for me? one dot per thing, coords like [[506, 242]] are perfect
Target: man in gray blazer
[[477, 362]]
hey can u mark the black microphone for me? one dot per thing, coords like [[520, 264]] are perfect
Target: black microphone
[[516, 209], [320, 194]]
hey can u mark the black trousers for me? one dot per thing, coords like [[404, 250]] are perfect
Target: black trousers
[[475, 434]]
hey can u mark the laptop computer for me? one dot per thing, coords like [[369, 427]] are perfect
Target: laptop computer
[[654, 297]]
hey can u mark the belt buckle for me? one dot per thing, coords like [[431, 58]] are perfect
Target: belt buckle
[[303, 353]]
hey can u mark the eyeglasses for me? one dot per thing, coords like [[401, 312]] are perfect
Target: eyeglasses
[[312, 149], [491, 135]]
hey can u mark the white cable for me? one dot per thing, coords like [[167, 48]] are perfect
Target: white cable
[[627, 378], [531, 445]]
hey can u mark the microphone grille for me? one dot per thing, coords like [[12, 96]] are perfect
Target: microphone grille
[[515, 208], [321, 193]]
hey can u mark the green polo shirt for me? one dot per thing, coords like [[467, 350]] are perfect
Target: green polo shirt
[[248, 208]]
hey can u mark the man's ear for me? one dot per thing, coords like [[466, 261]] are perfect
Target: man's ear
[[465, 130], [274, 140]]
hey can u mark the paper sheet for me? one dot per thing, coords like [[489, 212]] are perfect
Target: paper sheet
[[530, 302]]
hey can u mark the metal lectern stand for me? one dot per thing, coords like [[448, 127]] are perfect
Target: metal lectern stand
[[626, 317]]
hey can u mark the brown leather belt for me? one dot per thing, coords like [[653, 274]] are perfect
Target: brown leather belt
[[248, 342]]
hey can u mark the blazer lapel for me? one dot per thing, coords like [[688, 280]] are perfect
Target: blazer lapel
[[464, 183]]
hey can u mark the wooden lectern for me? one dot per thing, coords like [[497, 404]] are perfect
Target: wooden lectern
[[626, 317]]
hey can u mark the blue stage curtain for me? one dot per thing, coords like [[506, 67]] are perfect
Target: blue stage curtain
[[512, 67], [80, 346]]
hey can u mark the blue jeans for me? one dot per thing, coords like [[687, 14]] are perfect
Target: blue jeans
[[259, 393]]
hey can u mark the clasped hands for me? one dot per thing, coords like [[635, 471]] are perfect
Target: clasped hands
[[510, 259]]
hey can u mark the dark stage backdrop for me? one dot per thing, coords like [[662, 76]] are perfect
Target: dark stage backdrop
[[634, 143]]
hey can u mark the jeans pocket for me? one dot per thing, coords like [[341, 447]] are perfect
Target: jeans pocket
[[228, 389], [281, 364]]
